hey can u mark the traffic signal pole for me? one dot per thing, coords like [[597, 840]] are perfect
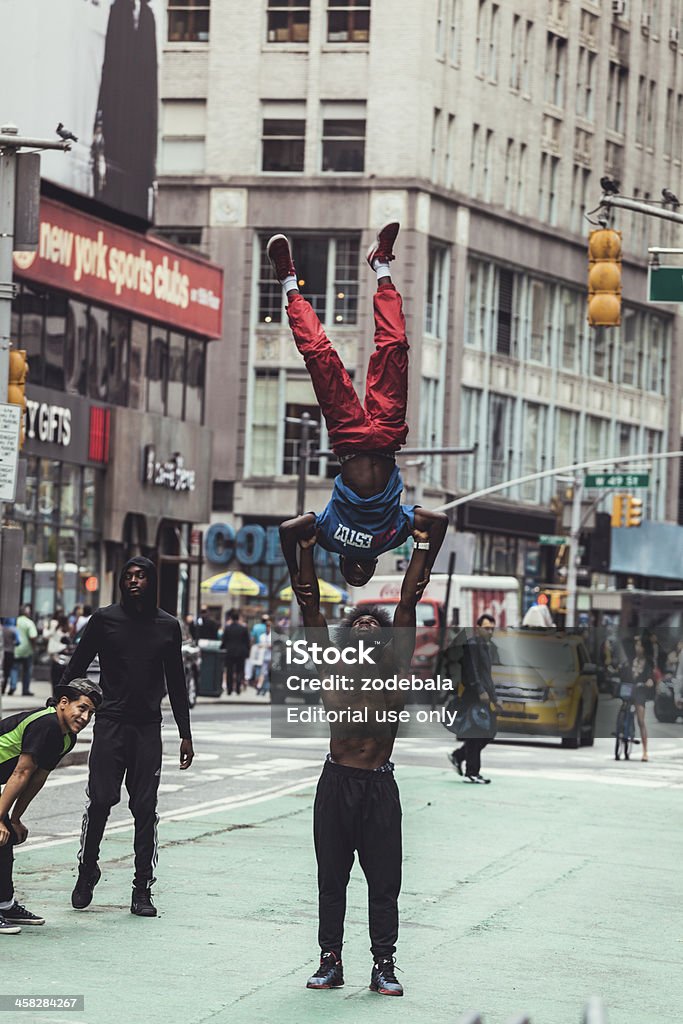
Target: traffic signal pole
[[10, 144]]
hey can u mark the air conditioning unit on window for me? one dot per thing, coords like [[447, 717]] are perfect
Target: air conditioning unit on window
[[645, 22], [619, 8], [673, 36]]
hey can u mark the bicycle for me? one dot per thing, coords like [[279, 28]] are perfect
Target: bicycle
[[626, 722]]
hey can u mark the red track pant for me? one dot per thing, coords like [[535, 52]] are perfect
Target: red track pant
[[379, 424]]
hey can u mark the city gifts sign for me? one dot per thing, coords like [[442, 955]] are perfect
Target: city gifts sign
[[108, 264]]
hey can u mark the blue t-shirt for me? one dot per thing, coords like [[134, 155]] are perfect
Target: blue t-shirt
[[363, 528]]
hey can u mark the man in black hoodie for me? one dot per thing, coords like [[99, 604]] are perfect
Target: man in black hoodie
[[139, 647]]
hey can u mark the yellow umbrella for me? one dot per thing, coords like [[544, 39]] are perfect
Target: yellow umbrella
[[329, 594], [237, 583]]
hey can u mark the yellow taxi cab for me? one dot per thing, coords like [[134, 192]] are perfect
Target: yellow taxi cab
[[546, 685]]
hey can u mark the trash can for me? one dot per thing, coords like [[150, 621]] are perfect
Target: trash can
[[211, 671]]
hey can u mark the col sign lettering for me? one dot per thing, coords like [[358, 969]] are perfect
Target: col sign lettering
[[250, 545]]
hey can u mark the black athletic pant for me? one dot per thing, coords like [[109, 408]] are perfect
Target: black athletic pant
[[6, 865], [470, 754], [234, 672], [121, 750], [357, 809]]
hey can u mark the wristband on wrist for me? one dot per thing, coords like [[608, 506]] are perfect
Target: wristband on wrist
[[422, 545]]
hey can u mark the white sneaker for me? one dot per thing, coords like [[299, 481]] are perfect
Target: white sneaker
[[478, 779]]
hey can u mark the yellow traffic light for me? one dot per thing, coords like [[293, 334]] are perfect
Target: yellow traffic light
[[618, 510], [16, 386], [604, 278], [634, 511]]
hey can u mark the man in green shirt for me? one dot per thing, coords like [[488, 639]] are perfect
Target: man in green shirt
[[23, 652], [32, 743]]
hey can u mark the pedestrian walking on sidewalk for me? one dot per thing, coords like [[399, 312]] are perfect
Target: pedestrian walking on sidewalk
[[357, 805], [235, 644], [478, 726], [364, 516], [32, 743], [139, 647], [22, 668]]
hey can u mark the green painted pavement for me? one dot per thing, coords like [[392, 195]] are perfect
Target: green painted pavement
[[523, 895]]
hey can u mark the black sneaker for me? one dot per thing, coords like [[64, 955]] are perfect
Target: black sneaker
[[141, 903], [16, 914], [383, 978], [478, 780], [280, 256], [456, 762], [81, 897], [330, 974], [8, 929]]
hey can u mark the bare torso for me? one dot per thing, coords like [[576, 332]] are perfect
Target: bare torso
[[367, 474], [369, 743]]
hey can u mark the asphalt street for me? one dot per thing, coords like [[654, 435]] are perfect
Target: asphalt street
[[558, 881]]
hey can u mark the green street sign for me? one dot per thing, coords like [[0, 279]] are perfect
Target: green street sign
[[552, 540], [607, 480], [665, 284]]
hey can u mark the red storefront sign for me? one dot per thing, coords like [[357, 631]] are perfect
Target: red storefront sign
[[100, 261]]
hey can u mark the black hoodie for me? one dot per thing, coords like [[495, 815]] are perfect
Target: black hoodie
[[138, 646]]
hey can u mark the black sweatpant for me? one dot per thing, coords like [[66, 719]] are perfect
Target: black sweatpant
[[121, 750], [234, 673], [6, 865], [358, 810], [470, 754]]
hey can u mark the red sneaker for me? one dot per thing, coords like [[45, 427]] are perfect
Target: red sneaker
[[280, 256], [381, 248]]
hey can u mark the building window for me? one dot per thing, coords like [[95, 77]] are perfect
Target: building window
[[303, 390], [585, 84], [566, 437], [264, 423], [534, 433], [547, 193], [348, 21], [454, 31], [343, 149], [436, 309], [436, 133], [487, 168], [493, 43], [194, 380], [118, 362], [183, 140], [641, 110], [98, 352], [188, 21], [599, 353], [500, 439], [580, 180], [288, 21], [540, 298], [479, 304], [283, 145], [470, 405], [55, 329], [515, 80], [651, 128], [527, 58], [157, 370], [449, 163], [75, 348], [555, 69], [475, 160], [505, 293], [571, 311], [328, 277], [617, 88], [521, 179], [440, 29], [137, 382], [176, 375]]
